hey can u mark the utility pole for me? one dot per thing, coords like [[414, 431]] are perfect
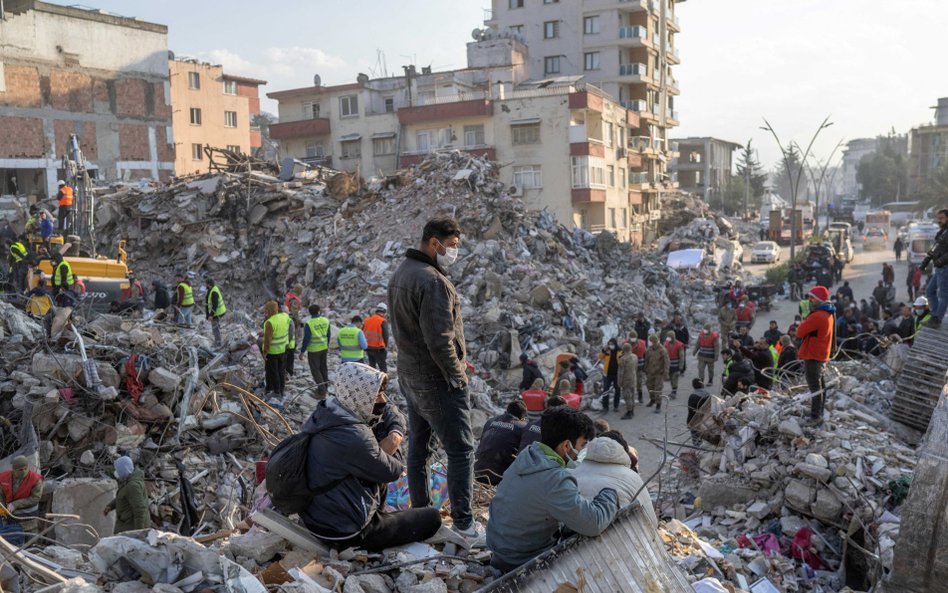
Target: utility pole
[[746, 182], [818, 183]]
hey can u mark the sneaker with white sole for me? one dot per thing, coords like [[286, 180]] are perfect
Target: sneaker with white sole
[[475, 536]]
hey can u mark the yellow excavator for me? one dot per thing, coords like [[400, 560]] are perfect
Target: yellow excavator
[[105, 279]]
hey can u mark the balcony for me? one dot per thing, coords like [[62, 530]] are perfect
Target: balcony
[[303, 128], [673, 86], [637, 105], [632, 73], [636, 36], [634, 5], [671, 54], [583, 195], [446, 108], [672, 20], [489, 19], [638, 178], [672, 117]]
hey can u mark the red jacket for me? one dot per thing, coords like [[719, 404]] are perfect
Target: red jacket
[[26, 486], [816, 331]]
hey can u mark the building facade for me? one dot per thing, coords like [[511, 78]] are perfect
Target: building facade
[[67, 70], [704, 166], [928, 149], [852, 154], [211, 108]]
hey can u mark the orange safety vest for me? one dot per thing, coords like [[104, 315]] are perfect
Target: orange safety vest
[[674, 349], [66, 200], [706, 344], [639, 351], [26, 486], [373, 331]]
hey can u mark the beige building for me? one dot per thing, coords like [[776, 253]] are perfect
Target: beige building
[[211, 108], [563, 141], [704, 166]]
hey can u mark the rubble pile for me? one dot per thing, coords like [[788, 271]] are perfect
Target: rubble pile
[[768, 495]]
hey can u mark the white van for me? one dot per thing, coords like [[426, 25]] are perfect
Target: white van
[[919, 240]]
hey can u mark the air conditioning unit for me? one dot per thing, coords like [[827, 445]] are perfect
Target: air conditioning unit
[[516, 190]]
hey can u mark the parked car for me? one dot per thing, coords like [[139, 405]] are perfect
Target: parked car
[[875, 238], [765, 252]]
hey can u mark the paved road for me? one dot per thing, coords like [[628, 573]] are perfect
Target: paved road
[[862, 273]]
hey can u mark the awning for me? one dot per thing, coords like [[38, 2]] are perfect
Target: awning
[[383, 135], [525, 122], [348, 137]]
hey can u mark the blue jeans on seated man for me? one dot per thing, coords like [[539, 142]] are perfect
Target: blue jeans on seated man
[[438, 410]]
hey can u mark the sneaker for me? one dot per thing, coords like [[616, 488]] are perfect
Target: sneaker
[[628, 415], [474, 536]]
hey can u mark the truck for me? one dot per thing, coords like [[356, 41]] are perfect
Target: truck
[[878, 218], [780, 224], [842, 243]]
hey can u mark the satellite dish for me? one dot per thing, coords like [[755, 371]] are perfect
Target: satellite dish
[[170, 55], [317, 80], [476, 34], [362, 78]]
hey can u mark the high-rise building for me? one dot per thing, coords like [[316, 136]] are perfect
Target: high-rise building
[[625, 47], [928, 148]]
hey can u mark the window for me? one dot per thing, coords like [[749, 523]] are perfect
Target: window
[[591, 25], [194, 80], [349, 106], [528, 176], [233, 148], [551, 1], [351, 149], [383, 146], [195, 116], [230, 87], [197, 152], [551, 65], [473, 136], [622, 177], [623, 218], [591, 60], [423, 141], [389, 104], [230, 119], [580, 171], [525, 134], [515, 3], [607, 133], [611, 176], [516, 29], [597, 172], [310, 110], [621, 138], [612, 218], [314, 151], [551, 29]]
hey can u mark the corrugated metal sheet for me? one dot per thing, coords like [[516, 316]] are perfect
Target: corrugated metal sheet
[[919, 385], [629, 557]]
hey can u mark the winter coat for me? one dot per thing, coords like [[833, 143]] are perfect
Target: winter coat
[[131, 504], [772, 336], [538, 494], [657, 362], [607, 465], [938, 254], [344, 453], [682, 334], [816, 331], [531, 372], [628, 367], [425, 313], [609, 360], [787, 357], [530, 434], [641, 329], [498, 447], [727, 317]]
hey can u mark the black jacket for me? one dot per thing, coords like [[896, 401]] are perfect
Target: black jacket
[[531, 372], [530, 434], [772, 336], [344, 450], [162, 298], [641, 329], [425, 313], [681, 334], [499, 445], [938, 254], [763, 362]]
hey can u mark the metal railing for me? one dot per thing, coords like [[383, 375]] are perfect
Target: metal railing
[[636, 32], [638, 178], [632, 69], [638, 105]]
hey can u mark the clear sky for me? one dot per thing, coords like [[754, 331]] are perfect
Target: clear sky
[[873, 65]]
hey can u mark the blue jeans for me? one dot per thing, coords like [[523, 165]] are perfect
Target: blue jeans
[[937, 292], [184, 315], [435, 409]]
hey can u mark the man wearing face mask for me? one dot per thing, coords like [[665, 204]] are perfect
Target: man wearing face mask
[[539, 495], [425, 315]]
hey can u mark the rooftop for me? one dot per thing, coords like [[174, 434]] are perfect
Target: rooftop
[[78, 11]]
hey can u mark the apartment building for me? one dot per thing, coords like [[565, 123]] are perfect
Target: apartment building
[[704, 165], [852, 153], [211, 108], [66, 70], [928, 149]]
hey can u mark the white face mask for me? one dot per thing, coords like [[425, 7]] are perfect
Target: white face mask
[[450, 256]]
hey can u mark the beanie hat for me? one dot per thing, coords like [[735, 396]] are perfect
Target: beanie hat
[[627, 347], [123, 467], [820, 293], [653, 338], [357, 387]]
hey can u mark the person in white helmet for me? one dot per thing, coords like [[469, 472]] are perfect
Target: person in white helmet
[[921, 313], [376, 333]]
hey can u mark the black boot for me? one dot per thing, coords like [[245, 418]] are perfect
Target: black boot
[[628, 415]]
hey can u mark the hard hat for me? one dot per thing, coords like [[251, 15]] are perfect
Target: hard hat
[[921, 302], [381, 307], [61, 182]]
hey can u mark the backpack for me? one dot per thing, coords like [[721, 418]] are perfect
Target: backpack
[[287, 480]]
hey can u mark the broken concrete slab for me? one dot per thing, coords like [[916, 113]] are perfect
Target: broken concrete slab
[[164, 379], [257, 544], [86, 497]]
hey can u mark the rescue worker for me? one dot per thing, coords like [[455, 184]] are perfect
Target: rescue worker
[[805, 306], [22, 489], [638, 349], [707, 349], [316, 334], [610, 369], [657, 365], [214, 308], [816, 331], [921, 314], [352, 342], [744, 316], [45, 227], [628, 371], [63, 281], [18, 254], [131, 499], [64, 214], [184, 299], [677, 352], [377, 336], [289, 356], [727, 319], [276, 337]]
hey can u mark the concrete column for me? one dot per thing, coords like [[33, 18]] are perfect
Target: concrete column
[[153, 152]]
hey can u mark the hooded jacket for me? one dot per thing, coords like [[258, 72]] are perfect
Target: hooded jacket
[[536, 495], [344, 451], [498, 447], [131, 504], [531, 372], [816, 331], [607, 465]]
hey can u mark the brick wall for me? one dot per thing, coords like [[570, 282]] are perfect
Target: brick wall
[[162, 109], [62, 129], [22, 137], [133, 97], [133, 142], [23, 87], [165, 150], [71, 91]]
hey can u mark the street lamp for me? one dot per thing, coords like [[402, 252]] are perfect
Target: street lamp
[[794, 183], [817, 185]]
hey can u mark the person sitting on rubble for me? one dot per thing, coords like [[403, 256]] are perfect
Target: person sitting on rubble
[[22, 489], [539, 494], [579, 373], [763, 357], [531, 432], [499, 444], [602, 425], [608, 464], [847, 333], [890, 323], [531, 372], [131, 499], [869, 340], [351, 462], [562, 375], [792, 330], [906, 324], [772, 335]]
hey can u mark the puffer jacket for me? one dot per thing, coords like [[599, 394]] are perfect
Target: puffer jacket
[[131, 504], [816, 331], [607, 465], [657, 362], [425, 313]]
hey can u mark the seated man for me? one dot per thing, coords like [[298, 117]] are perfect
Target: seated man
[[531, 432], [500, 443], [609, 465], [538, 494], [695, 401], [350, 465], [22, 489]]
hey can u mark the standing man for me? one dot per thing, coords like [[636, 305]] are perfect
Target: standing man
[[18, 266], [656, 368], [707, 349], [429, 332], [680, 329], [376, 336], [628, 371], [276, 337], [638, 349], [745, 316], [641, 325], [215, 308], [727, 319], [676, 355], [131, 499], [937, 289], [22, 489], [184, 299], [290, 353], [352, 342], [162, 298], [63, 281], [816, 331], [65, 208], [898, 247], [45, 228], [316, 334]]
